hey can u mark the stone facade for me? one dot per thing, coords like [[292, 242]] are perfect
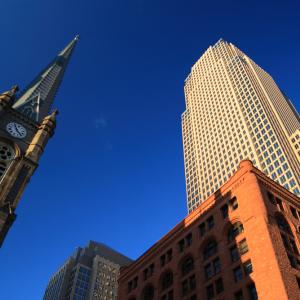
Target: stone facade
[[19, 157], [241, 243]]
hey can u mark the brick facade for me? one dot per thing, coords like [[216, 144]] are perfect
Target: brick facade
[[241, 243]]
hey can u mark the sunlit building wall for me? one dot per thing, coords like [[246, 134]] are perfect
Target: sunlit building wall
[[235, 111]]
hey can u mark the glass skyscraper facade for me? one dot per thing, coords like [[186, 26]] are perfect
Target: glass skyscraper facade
[[91, 273], [235, 111]]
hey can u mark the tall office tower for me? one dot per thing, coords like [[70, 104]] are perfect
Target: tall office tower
[[234, 111], [26, 124], [90, 274]]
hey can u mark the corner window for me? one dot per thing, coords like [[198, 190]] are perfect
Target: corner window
[[235, 230], [233, 203], [248, 269]]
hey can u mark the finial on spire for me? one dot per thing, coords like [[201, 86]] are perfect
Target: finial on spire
[[9, 96]]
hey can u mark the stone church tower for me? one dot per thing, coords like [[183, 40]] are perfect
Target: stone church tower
[[26, 125]]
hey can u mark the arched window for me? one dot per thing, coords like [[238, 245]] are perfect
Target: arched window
[[28, 111], [7, 154], [210, 249], [148, 293], [235, 230], [187, 265], [167, 280]]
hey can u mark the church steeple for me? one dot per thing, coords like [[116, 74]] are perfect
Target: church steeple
[[36, 100], [26, 126]]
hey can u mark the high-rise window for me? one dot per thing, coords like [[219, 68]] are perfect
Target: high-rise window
[[232, 107]]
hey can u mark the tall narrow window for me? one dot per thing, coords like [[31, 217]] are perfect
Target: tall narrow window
[[219, 285], [224, 211], [233, 203], [167, 280], [294, 212], [210, 293], [248, 269], [210, 222], [235, 230], [210, 249], [243, 247], [187, 266], [288, 241], [202, 229], [234, 253], [238, 274]]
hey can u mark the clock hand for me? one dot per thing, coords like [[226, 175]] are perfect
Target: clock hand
[[16, 128]]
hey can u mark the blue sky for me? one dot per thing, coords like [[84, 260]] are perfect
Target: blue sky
[[113, 172]]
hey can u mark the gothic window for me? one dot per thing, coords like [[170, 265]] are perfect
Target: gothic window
[[7, 154], [28, 111]]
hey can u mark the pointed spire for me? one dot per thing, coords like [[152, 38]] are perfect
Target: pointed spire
[[36, 100]]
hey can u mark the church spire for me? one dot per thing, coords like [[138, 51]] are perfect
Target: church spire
[[36, 100]]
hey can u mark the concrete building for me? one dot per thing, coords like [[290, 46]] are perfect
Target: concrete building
[[26, 125], [235, 111], [241, 243], [91, 273]]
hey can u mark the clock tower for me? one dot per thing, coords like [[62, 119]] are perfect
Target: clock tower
[[26, 125]]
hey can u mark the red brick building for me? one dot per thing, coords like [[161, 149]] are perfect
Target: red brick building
[[241, 243]]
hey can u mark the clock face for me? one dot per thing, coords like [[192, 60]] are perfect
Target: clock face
[[16, 130]]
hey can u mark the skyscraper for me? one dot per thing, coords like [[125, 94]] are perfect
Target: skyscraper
[[235, 111], [26, 125], [91, 273]]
